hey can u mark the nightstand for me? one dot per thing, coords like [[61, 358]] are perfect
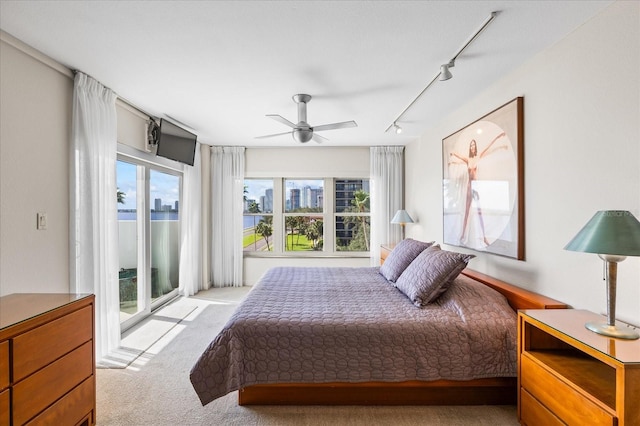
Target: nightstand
[[385, 249], [570, 375]]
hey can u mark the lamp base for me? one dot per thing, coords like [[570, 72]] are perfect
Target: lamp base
[[612, 331]]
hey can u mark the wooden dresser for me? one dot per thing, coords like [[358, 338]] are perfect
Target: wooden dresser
[[47, 359], [570, 375]]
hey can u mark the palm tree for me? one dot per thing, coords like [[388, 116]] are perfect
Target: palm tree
[[314, 233], [361, 203], [301, 225], [266, 230], [253, 208], [290, 222], [357, 225], [121, 196]]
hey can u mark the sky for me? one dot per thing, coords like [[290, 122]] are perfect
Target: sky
[[257, 187], [162, 185]]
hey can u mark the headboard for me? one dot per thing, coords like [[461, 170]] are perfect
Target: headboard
[[518, 298]]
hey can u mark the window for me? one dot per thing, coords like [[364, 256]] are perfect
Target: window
[[164, 190], [258, 215], [306, 217], [353, 227], [149, 236], [127, 183], [303, 218]]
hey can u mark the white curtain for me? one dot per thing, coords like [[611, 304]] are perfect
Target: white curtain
[[191, 235], [387, 177], [227, 184], [93, 215]]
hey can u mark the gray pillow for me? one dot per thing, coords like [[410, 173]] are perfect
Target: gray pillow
[[431, 273], [400, 257]]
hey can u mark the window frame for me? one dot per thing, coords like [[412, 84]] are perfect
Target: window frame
[[328, 214], [350, 214], [286, 214], [262, 214], [144, 162]]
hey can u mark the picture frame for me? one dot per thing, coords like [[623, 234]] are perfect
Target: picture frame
[[483, 183]]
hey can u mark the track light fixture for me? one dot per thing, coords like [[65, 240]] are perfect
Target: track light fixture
[[444, 73]]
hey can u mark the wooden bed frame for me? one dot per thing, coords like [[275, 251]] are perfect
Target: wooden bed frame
[[493, 391]]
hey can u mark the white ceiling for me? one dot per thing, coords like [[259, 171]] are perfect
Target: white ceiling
[[220, 66]]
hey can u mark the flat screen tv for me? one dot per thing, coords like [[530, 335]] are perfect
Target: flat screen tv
[[176, 143]]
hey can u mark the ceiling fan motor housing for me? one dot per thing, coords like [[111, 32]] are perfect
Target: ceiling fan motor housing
[[302, 135]]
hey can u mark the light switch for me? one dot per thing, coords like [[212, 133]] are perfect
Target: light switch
[[42, 221]]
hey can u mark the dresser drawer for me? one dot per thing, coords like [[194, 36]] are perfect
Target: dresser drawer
[[532, 413], [4, 365], [45, 387], [72, 408], [36, 348], [568, 404], [5, 407]]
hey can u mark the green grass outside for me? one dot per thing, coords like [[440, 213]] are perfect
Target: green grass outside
[[248, 240], [300, 243]]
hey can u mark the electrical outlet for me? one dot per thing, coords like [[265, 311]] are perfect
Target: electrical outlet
[[41, 221]]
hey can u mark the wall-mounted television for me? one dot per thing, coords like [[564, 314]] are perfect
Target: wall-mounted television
[[176, 143]]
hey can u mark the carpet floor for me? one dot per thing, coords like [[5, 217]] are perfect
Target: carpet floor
[[152, 386]]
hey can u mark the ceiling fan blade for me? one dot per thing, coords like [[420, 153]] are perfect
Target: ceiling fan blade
[[271, 136], [282, 120], [317, 138], [342, 125]]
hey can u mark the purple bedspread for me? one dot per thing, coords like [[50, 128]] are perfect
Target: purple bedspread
[[319, 325]]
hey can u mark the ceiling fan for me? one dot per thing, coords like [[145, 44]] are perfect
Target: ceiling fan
[[303, 132]]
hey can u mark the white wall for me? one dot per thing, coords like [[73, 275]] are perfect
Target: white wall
[[132, 126], [303, 162], [307, 162], [35, 117], [582, 154]]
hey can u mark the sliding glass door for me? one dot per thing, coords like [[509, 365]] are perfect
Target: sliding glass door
[[149, 232], [128, 226], [165, 233]]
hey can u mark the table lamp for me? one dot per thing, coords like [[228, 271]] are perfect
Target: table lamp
[[402, 217], [613, 235]]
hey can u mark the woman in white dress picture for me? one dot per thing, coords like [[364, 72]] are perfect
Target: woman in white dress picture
[[471, 162]]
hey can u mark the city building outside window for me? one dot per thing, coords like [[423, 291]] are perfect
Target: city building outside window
[[307, 216]]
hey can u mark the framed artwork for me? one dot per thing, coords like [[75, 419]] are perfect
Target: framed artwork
[[482, 183]]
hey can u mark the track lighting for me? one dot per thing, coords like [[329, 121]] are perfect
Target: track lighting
[[444, 73]]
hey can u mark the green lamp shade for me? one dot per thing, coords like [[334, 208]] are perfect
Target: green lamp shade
[[615, 232]]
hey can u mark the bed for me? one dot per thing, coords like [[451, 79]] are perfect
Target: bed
[[345, 336]]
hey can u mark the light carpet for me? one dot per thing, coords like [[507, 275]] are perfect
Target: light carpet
[[152, 386], [141, 337]]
